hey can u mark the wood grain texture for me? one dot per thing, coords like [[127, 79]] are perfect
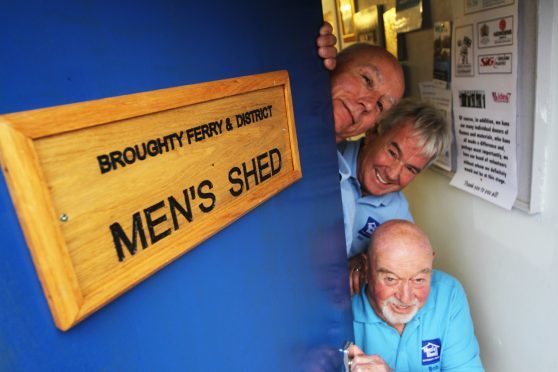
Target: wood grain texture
[[51, 160]]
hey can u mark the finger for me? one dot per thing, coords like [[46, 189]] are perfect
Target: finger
[[326, 29], [360, 364], [326, 41], [353, 351], [327, 51], [355, 282], [330, 63]]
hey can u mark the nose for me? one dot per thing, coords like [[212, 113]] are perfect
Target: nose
[[394, 170], [405, 293], [369, 100]]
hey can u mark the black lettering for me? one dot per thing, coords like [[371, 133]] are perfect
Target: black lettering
[[104, 163], [129, 155], [275, 167], [174, 205], [239, 120], [152, 223], [190, 134], [235, 181], [162, 143], [152, 148], [119, 237], [116, 158], [138, 152], [250, 173], [206, 195], [199, 135], [262, 166]]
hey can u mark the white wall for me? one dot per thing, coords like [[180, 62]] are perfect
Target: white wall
[[507, 260]]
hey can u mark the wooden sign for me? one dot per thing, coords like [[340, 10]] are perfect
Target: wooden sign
[[110, 191]]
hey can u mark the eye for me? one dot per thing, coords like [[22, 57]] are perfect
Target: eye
[[419, 282], [389, 280], [367, 80], [412, 170], [392, 152], [380, 106]]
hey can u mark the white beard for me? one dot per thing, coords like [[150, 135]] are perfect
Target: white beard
[[395, 318]]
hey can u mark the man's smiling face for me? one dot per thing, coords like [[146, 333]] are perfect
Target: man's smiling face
[[389, 162], [368, 83]]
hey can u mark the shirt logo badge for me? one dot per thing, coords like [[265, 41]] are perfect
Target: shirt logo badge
[[431, 350], [369, 227]]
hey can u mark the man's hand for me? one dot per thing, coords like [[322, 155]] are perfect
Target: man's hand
[[326, 46], [358, 272], [360, 362]]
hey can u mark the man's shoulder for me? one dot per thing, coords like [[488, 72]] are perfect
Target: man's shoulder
[[446, 287], [443, 278], [349, 149]]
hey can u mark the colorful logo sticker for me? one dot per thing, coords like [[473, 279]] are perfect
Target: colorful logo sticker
[[431, 350]]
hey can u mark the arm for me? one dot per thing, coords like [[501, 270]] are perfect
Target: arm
[[461, 347], [326, 46]]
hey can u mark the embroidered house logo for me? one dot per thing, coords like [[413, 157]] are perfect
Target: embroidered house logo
[[501, 97], [369, 227], [431, 350]]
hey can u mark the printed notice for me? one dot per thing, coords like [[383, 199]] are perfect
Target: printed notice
[[441, 99], [484, 93]]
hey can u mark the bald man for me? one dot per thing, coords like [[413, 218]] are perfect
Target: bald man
[[365, 82], [410, 317]]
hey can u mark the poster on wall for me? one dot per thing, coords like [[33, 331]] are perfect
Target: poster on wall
[[390, 33], [408, 15], [442, 54], [369, 25], [484, 88], [441, 99], [472, 6]]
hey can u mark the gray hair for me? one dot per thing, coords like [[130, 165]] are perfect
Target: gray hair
[[429, 124]]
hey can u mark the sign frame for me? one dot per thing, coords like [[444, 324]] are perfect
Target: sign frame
[[40, 222]]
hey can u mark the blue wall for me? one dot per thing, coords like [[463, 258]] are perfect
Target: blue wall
[[267, 293]]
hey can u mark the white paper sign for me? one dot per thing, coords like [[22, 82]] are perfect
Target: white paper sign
[[441, 99], [484, 96]]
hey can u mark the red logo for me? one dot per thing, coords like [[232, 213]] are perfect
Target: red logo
[[502, 24], [501, 97], [487, 61]]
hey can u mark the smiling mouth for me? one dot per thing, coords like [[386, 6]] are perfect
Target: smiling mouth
[[402, 308], [381, 179], [353, 122]]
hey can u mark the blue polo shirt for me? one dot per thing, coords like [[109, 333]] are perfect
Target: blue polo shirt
[[363, 214], [439, 338]]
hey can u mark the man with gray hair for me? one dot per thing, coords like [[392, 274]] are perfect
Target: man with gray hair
[[410, 317], [374, 170]]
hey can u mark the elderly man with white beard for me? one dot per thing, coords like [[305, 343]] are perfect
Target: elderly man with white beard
[[410, 317]]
